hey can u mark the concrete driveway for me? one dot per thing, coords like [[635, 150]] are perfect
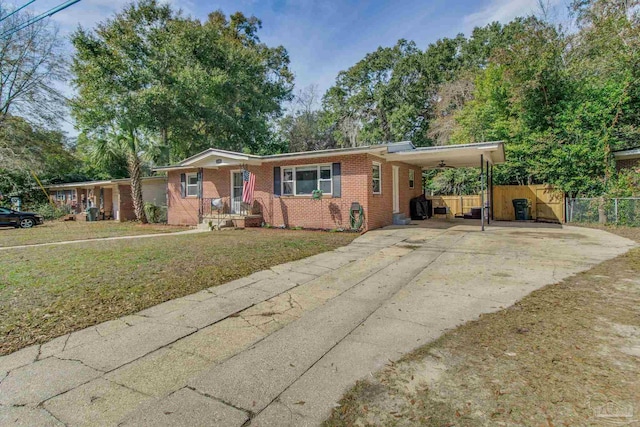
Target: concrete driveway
[[278, 348]]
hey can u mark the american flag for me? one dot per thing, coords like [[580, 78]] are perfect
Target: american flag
[[248, 185]]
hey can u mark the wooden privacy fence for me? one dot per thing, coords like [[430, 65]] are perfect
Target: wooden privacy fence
[[547, 204], [457, 205]]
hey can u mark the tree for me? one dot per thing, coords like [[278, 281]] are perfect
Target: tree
[[367, 95], [113, 79], [154, 84], [27, 149], [305, 127], [31, 62], [214, 83]]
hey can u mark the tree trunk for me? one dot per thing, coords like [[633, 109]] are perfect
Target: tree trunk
[[136, 187], [602, 212]]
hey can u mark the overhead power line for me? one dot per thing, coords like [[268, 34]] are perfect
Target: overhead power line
[[2, 18], [40, 17]]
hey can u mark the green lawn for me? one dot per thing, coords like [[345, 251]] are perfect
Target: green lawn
[[49, 291], [59, 231]]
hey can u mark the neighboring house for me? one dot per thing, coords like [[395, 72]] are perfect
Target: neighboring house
[[381, 179], [627, 159], [112, 197]]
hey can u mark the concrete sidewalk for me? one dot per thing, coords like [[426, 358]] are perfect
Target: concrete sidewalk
[[99, 239], [278, 348]]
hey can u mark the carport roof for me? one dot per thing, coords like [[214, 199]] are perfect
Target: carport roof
[[456, 156], [462, 155]]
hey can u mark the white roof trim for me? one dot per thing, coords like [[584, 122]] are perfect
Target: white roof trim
[[101, 183], [627, 154], [218, 153], [399, 151]]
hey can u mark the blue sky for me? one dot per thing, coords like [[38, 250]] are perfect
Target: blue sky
[[325, 37]]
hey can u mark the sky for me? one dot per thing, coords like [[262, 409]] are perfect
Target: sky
[[325, 37]]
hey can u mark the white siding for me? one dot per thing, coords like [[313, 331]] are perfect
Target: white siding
[[155, 192]]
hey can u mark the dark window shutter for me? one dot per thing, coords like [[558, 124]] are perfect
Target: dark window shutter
[[277, 182], [336, 178], [183, 185], [200, 183]]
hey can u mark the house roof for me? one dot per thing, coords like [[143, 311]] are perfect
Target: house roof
[[103, 183], [632, 153], [463, 155]]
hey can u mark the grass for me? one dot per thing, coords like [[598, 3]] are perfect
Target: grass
[[552, 359], [49, 291], [58, 231]]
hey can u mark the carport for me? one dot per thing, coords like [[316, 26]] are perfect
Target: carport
[[482, 154]]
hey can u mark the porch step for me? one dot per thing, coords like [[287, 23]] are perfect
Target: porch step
[[400, 219]]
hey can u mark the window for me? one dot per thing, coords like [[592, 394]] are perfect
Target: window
[[304, 180], [287, 181], [412, 178], [192, 184], [324, 183], [60, 195], [377, 178]]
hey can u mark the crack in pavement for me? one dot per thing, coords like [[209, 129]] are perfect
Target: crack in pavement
[[249, 412], [41, 406], [277, 398]]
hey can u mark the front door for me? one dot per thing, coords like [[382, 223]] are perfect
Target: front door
[[236, 192], [396, 192]]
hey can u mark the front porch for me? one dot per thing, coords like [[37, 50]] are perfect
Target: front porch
[[220, 212]]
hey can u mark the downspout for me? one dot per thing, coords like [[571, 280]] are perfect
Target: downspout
[[491, 193], [200, 199]]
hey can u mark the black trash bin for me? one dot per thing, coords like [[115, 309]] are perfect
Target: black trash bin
[[521, 208]]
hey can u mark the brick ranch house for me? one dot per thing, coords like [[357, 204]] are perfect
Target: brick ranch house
[[111, 197], [381, 179]]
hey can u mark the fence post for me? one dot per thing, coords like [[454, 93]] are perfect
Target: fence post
[[615, 208]]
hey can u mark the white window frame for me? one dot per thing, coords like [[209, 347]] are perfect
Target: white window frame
[[379, 165], [60, 195], [191, 175], [318, 180], [412, 178]]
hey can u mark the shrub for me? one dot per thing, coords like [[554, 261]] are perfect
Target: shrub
[[51, 212], [155, 214]]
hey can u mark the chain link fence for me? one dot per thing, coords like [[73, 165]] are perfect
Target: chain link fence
[[620, 211]]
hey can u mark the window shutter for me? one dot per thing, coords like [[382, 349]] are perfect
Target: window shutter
[[183, 185], [277, 183], [336, 178], [200, 183]]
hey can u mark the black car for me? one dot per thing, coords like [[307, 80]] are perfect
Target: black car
[[19, 219]]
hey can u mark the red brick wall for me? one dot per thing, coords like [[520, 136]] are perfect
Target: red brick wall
[[380, 207], [300, 211], [182, 211], [627, 164]]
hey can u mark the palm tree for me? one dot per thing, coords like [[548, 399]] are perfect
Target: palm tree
[[127, 146]]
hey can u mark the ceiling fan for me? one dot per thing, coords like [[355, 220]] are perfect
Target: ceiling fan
[[443, 165]]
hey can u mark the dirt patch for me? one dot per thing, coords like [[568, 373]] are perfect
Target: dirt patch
[[564, 355], [632, 233]]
